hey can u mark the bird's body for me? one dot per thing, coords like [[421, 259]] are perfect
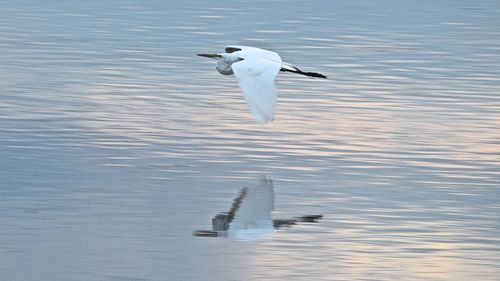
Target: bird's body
[[255, 69]]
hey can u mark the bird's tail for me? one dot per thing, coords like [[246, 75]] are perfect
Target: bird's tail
[[291, 68]]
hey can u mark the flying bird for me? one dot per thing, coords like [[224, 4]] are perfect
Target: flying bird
[[255, 69]]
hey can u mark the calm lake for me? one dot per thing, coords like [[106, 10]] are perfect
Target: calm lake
[[117, 142]]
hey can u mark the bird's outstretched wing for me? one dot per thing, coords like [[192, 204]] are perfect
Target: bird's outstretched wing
[[252, 51], [256, 79]]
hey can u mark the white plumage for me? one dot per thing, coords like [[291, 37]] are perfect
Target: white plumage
[[256, 80], [256, 69]]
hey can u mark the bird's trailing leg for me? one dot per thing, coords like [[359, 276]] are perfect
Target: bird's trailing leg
[[294, 69]]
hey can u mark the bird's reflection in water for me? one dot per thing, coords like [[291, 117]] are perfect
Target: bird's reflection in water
[[250, 215]]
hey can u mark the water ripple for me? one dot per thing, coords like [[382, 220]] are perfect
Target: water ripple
[[117, 141]]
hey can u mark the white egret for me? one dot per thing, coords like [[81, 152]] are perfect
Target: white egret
[[255, 69]]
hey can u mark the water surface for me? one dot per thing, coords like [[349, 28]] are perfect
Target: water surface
[[117, 142]]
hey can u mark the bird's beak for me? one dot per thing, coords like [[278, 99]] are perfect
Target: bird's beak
[[212, 56]]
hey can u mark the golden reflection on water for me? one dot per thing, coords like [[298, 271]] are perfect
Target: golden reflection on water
[[353, 253]]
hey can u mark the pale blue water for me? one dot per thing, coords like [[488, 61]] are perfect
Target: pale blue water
[[117, 142]]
